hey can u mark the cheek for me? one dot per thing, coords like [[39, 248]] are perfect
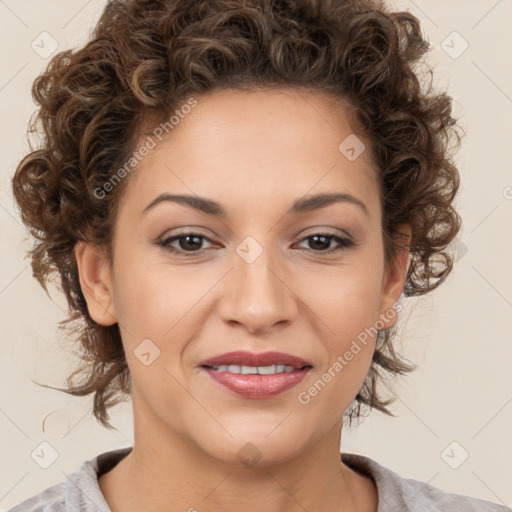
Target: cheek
[[346, 300], [346, 319], [162, 304], [150, 296], [152, 302], [346, 309]]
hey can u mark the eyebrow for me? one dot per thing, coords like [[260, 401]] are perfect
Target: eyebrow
[[302, 205]]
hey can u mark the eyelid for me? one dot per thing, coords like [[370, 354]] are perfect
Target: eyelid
[[327, 231], [317, 230]]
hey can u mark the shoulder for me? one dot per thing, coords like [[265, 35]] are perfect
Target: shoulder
[[407, 494], [423, 496], [79, 491], [52, 499]]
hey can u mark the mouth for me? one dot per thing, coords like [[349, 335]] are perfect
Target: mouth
[[274, 369], [255, 385], [250, 362], [256, 376]]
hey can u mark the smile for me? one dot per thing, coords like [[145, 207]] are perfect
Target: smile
[[257, 382], [252, 370]]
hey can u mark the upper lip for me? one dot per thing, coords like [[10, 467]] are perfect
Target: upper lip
[[244, 358]]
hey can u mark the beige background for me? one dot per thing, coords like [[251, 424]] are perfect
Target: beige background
[[459, 336]]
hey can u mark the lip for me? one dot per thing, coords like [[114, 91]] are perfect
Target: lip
[[244, 358], [255, 385]]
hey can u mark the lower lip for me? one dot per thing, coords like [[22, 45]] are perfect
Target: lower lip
[[255, 385]]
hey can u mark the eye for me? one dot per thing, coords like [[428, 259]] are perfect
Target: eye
[[320, 241], [189, 243]]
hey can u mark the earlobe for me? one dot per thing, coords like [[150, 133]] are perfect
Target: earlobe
[[394, 279], [95, 282]]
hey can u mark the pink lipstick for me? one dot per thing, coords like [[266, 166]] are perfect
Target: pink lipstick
[[256, 375]]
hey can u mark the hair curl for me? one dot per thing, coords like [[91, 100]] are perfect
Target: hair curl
[[145, 56]]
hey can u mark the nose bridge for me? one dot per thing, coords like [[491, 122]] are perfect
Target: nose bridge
[[256, 294]]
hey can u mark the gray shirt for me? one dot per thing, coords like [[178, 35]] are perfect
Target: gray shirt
[[81, 492]]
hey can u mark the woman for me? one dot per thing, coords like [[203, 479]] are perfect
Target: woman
[[235, 195]]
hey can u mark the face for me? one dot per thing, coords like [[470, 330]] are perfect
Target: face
[[260, 277]]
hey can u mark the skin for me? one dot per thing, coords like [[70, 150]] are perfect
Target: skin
[[255, 153]]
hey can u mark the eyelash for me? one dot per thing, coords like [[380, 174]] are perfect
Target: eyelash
[[344, 243]]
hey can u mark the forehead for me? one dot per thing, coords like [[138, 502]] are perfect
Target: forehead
[[238, 146]]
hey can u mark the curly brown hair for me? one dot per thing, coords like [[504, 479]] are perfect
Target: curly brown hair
[[145, 56]]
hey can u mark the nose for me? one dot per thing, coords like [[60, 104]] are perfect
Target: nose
[[258, 295]]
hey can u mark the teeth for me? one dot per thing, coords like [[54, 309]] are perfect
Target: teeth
[[252, 370]]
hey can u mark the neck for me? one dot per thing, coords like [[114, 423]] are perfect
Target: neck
[[167, 472]]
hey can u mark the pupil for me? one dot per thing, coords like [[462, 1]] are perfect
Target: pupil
[[325, 243], [193, 237]]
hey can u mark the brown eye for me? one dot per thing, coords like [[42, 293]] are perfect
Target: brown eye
[[188, 243], [321, 241]]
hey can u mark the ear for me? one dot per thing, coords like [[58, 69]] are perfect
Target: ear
[[95, 281], [394, 278]]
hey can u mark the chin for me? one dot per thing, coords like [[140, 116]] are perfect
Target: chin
[[256, 448]]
